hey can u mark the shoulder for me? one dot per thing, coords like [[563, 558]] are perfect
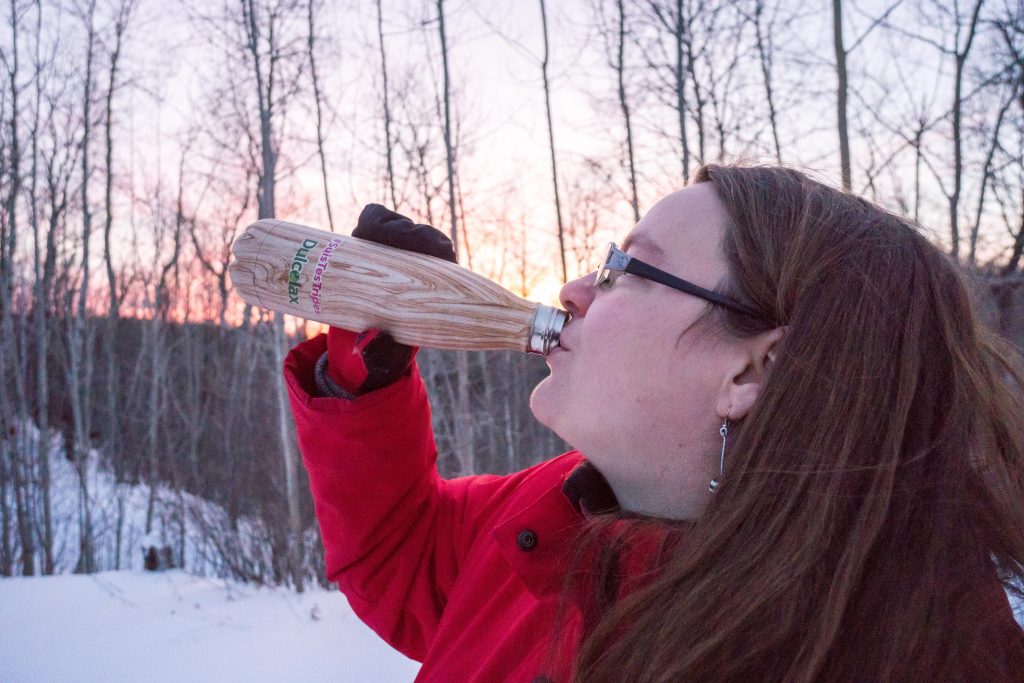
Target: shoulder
[[487, 500], [520, 488]]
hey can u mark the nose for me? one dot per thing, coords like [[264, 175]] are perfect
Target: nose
[[576, 295]]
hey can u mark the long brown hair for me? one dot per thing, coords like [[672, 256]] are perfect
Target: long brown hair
[[873, 499]]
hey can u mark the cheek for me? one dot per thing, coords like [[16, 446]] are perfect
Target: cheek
[[661, 382]]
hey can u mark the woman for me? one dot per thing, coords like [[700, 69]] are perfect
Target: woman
[[799, 457]]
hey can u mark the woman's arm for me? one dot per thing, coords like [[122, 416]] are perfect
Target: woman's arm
[[393, 530]]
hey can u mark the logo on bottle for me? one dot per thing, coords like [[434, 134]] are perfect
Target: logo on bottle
[[318, 273], [301, 258]]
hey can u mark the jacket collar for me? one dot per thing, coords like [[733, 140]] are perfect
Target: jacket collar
[[588, 491]]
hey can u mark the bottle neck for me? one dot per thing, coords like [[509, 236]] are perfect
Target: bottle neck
[[545, 329]]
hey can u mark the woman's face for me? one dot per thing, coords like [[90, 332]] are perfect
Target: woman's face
[[637, 391]]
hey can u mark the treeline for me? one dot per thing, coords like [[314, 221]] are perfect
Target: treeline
[[198, 425]]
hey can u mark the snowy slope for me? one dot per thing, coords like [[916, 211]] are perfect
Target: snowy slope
[[197, 530], [172, 626]]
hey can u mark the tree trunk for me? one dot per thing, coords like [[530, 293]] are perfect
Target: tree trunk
[[6, 551], [1018, 242], [40, 312], [699, 102], [467, 248], [551, 144], [113, 436], [958, 158], [13, 345], [463, 442], [680, 84], [917, 169], [986, 175], [387, 107], [266, 209], [766, 72], [80, 365], [154, 403], [842, 91], [319, 113], [109, 168], [624, 105], [448, 147], [57, 190]]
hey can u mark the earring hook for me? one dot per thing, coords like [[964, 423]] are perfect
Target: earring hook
[[723, 431]]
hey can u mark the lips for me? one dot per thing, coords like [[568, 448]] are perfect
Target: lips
[[557, 351], [561, 340]]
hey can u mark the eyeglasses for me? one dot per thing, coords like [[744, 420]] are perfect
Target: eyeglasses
[[616, 261]]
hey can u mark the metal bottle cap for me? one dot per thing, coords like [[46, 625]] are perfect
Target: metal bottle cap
[[545, 329]]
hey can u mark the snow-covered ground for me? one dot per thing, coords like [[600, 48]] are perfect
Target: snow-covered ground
[[198, 531], [172, 626]]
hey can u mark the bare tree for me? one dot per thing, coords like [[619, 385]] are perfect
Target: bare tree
[[670, 17], [157, 371], [987, 172], [42, 274], [80, 333], [113, 426], [463, 425], [211, 237], [699, 98], [765, 52], [960, 59], [265, 46], [842, 89], [843, 81], [963, 35], [620, 73], [317, 100], [387, 106], [12, 354], [448, 147], [551, 142], [1011, 34], [58, 150]]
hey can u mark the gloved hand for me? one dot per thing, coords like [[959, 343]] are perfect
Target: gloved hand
[[364, 361]]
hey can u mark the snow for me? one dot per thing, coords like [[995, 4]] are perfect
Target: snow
[[178, 625], [200, 534], [173, 626]]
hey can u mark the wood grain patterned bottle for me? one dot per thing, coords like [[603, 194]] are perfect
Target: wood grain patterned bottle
[[356, 284]]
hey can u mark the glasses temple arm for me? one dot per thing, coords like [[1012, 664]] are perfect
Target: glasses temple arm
[[651, 273]]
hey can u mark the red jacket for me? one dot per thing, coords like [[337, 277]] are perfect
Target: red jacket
[[432, 564], [464, 574]]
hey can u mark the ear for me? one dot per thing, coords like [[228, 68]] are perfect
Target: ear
[[742, 384]]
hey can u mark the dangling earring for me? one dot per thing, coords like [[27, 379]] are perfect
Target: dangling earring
[[723, 430]]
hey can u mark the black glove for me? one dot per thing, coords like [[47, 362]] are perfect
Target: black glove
[[361, 362]]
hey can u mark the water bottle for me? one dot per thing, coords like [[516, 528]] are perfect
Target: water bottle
[[357, 284]]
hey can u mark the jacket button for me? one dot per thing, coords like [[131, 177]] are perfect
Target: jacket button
[[526, 540]]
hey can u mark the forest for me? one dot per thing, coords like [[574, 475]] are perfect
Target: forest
[[137, 139]]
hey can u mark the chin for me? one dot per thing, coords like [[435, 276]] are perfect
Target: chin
[[539, 404]]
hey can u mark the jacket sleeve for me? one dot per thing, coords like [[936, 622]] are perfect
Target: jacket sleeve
[[393, 530]]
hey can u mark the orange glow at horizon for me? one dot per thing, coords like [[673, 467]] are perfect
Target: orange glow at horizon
[[546, 291]]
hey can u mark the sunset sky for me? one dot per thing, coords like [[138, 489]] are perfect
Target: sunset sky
[[176, 72]]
